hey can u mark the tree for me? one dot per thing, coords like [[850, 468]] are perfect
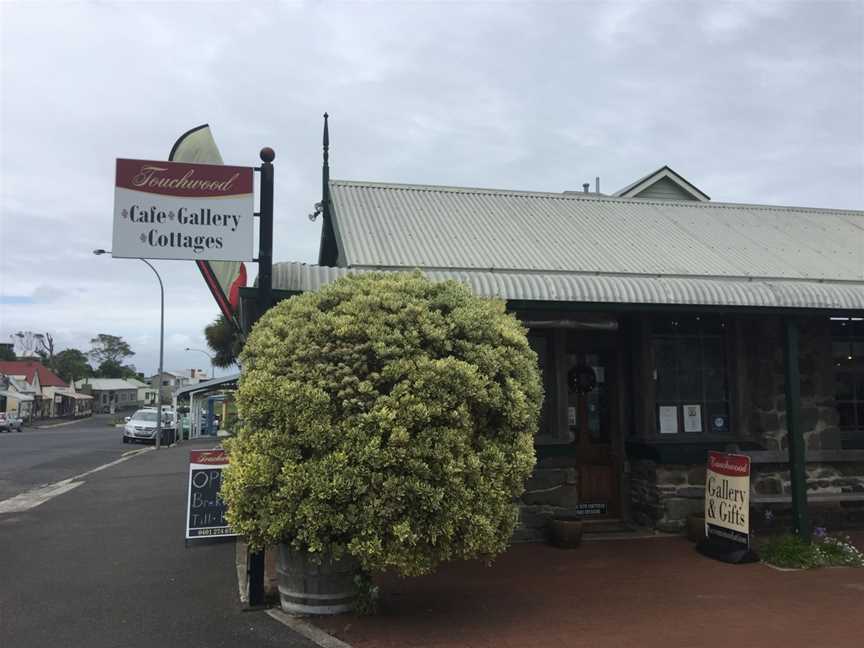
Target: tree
[[71, 364], [45, 348], [385, 417], [224, 340], [109, 348], [111, 369], [25, 343]]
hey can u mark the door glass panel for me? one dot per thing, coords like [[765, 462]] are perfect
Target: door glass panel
[[846, 411], [843, 382]]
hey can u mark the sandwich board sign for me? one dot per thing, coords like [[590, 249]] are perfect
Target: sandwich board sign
[[205, 510], [727, 508], [175, 210]]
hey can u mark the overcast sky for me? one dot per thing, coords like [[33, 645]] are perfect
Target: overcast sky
[[751, 101]]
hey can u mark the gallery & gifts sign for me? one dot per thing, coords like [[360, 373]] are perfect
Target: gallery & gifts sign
[[727, 497]]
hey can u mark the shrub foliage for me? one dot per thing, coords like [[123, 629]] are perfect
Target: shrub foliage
[[388, 417]]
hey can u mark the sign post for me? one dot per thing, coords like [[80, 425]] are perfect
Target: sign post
[[727, 508]]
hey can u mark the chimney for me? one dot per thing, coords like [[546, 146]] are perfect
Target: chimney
[[597, 184], [586, 186]]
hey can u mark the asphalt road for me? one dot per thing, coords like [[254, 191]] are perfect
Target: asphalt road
[[41, 456], [105, 564]]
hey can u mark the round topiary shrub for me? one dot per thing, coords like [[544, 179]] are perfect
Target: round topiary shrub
[[388, 417]]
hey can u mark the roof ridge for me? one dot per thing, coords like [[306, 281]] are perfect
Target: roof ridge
[[576, 196]]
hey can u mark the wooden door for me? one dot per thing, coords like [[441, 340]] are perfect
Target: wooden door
[[592, 419]]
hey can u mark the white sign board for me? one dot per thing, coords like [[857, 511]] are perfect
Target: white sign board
[[173, 210], [692, 418], [668, 419], [727, 496]]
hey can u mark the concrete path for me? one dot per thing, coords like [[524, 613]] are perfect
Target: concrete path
[[104, 565]]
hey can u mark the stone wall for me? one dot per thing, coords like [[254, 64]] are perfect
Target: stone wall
[[764, 391], [663, 495], [549, 491]]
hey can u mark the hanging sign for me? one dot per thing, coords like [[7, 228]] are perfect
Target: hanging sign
[[205, 510], [727, 497], [173, 210]]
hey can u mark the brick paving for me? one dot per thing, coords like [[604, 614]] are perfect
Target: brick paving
[[619, 593]]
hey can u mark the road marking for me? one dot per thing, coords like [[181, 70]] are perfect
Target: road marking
[[33, 498], [56, 425]]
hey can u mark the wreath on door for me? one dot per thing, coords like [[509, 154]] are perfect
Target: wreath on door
[[581, 379]]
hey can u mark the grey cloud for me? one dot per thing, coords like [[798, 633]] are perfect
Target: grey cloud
[[753, 102]]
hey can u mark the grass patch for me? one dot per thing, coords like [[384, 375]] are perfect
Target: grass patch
[[790, 551]]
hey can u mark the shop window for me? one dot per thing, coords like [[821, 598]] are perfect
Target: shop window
[[541, 343], [690, 374], [847, 354]]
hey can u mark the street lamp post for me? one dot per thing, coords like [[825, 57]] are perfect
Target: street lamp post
[[209, 357], [161, 344]]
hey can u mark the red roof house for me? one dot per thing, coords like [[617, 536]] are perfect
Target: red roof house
[[28, 368]]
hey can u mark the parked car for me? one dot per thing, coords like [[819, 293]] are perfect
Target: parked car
[[10, 422], [141, 426]]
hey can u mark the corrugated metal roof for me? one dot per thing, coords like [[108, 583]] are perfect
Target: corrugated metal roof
[[450, 228], [104, 384], [613, 289]]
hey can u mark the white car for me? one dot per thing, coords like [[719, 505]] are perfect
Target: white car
[[10, 422], [141, 426]]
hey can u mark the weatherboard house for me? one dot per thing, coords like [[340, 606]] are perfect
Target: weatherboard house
[[694, 325]]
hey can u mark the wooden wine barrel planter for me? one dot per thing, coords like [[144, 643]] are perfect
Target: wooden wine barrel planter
[[310, 587], [565, 532]]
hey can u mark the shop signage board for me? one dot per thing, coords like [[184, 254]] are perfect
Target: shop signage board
[[174, 210], [205, 510], [727, 497]]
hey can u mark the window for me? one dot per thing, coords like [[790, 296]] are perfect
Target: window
[[690, 375], [847, 354]]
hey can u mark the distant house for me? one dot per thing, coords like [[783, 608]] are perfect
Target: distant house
[[146, 393], [110, 393], [17, 396], [42, 384], [171, 381]]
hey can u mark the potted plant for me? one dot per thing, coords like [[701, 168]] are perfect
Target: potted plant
[[565, 531], [386, 422]]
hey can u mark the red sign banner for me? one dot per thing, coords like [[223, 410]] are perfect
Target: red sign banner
[[727, 497], [208, 457], [181, 179]]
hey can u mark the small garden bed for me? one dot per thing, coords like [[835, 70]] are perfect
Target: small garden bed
[[789, 551]]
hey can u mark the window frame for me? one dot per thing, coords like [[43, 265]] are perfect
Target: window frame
[[853, 337], [726, 335]]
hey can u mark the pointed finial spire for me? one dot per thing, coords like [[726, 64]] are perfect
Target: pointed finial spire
[[326, 139], [325, 169]]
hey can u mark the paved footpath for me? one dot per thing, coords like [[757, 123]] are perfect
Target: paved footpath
[[104, 565]]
